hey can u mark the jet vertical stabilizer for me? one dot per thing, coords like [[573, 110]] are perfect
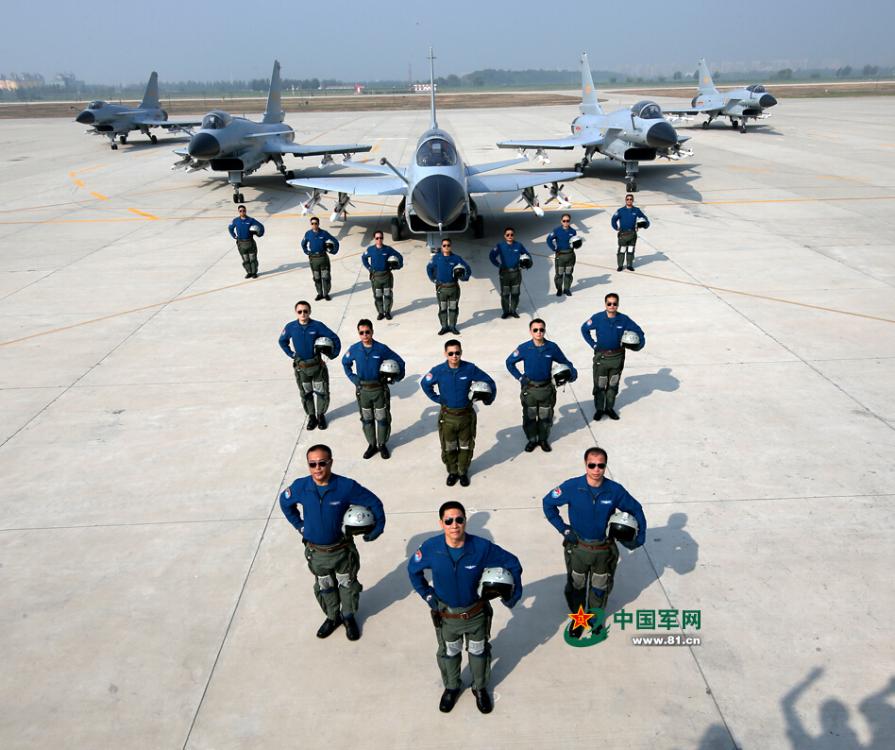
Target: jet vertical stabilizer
[[590, 105], [706, 84], [150, 98], [274, 112], [434, 124]]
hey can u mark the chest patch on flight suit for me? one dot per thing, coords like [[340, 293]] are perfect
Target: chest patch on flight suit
[[470, 567]]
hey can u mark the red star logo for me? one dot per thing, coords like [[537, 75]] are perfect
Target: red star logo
[[580, 618]]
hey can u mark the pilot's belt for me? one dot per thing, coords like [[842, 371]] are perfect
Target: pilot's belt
[[456, 412], [439, 284], [595, 546], [471, 612], [371, 384], [537, 383], [609, 351], [305, 363], [328, 547]]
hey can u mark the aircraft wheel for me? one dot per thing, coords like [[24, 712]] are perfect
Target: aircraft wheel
[[396, 229], [705, 125], [631, 186], [153, 138], [122, 139], [733, 124], [743, 127], [114, 146], [478, 227], [579, 166]]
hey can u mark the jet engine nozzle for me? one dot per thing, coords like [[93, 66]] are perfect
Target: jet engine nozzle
[[661, 135], [438, 200], [204, 146]]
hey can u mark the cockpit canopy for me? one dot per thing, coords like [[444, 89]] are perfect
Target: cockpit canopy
[[756, 88], [215, 120], [647, 110], [436, 152], [96, 104]]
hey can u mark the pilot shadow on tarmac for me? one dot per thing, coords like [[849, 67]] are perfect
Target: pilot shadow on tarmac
[[645, 384]]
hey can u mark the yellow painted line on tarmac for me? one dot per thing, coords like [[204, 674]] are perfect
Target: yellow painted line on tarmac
[[99, 196], [172, 300], [79, 183], [138, 212]]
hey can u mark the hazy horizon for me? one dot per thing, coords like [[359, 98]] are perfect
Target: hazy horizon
[[121, 45]]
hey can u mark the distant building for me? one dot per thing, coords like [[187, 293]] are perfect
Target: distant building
[[422, 88], [17, 81]]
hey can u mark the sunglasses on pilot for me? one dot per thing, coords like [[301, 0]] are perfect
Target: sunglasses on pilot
[[319, 464], [596, 466], [458, 519]]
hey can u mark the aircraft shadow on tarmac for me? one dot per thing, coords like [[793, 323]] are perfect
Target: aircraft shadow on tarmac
[[835, 730], [645, 384]]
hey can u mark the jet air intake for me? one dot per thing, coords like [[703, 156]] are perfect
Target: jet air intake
[[438, 200], [204, 146], [766, 101], [86, 118]]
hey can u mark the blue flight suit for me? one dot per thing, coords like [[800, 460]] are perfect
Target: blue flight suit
[[311, 373], [313, 244], [382, 280], [317, 512], [560, 243], [440, 271], [371, 390], [587, 550], [505, 255], [456, 573], [457, 420], [609, 356], [538, 393], [245, 242], [624, 221]]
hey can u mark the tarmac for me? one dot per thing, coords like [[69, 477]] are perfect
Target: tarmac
[[152, 595]]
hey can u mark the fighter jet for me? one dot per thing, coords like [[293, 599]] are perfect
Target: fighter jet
[[240, 146], [629, 135], [436, 187], [116, 120], [738, 104]]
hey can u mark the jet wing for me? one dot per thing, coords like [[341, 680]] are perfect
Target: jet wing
[[361, 185], [682, 112], [555, 143], [491, 166], [168, 123], [369, 167], [516, 181], [276, 146]]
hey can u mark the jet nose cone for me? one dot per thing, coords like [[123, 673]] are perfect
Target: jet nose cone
[[204, 146], [661, 135], [438, 199], [85, 118], [767, 101]]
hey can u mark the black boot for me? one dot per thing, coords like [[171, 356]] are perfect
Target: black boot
[[329, 627]]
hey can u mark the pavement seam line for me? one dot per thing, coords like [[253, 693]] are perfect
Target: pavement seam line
[[242, 589]]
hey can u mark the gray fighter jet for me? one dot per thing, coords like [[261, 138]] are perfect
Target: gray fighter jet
[[116, 120], [240, 146], [738, 104], [628, 135], [436, 187]]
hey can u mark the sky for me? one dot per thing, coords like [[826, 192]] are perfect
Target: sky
[[225, 40]]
